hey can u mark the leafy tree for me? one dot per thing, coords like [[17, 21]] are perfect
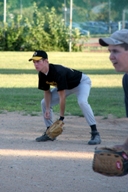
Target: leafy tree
[[82, 10], [118, 7], [44, 31]]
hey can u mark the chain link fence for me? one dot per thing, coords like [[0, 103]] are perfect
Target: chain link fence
[[92, 18]]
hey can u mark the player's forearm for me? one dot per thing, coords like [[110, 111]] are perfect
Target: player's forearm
[[47, 97], [62, 107], [62, 102]]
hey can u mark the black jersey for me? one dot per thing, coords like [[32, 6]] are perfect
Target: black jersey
[[60, 77]]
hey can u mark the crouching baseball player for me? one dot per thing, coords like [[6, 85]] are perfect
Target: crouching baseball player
[[66, 82]]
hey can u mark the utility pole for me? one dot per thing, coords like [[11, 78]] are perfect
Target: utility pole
[[65, 14], [21, 8], [4, 19], [109, 14], [70, 28], [123, 18]]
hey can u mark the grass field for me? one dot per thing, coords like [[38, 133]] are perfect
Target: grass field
[[19, 81]]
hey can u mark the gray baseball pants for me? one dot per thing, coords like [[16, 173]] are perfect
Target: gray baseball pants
[[82, 93]]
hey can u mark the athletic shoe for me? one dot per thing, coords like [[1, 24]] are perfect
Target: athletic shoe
[[44, 138], [95, 138]]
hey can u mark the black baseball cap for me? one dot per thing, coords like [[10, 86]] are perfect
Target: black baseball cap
[[39, 54]]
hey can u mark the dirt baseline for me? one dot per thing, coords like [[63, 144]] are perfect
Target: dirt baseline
[[64, 165]]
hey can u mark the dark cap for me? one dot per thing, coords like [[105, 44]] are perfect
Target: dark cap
[[39, 55]]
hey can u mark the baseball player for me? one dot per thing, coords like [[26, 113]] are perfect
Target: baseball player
[[66, 81], [117, 45]]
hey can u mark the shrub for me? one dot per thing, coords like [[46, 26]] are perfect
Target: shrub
[[46, 31]]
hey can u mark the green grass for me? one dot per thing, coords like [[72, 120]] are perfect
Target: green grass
[[19, 81]]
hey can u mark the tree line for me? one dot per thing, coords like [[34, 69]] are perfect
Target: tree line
[[43, 31], [83, 10], [40, 24]]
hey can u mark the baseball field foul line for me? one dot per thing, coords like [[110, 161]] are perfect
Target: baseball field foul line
[[52, 154]]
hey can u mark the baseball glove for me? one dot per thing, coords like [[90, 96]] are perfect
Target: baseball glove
[[55, 129], [110, 162]]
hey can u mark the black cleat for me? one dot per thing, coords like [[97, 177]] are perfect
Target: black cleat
[[44, 138], [95, 138]]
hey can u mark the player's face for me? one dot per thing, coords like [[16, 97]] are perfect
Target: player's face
[[118, 57], [39, 65]]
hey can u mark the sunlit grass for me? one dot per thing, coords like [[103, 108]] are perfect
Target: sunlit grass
[[31, 80], [19, 82]]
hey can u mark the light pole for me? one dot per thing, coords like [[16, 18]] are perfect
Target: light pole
[[21, 8], [70, 28], [123, 17], [65, 14], [4, 19], [109, 14]]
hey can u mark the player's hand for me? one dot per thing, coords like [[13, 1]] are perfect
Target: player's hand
[[47, 114]]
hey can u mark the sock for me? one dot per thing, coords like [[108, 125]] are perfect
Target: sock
[[93, 128]]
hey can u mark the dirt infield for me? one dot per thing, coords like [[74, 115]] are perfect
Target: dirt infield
[[64, 165]]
